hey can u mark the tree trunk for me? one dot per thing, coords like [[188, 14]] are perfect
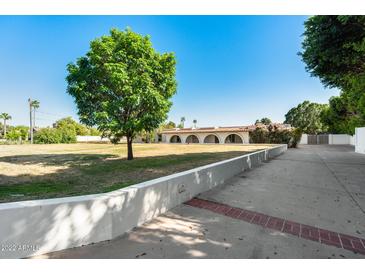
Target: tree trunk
[[129, 147]]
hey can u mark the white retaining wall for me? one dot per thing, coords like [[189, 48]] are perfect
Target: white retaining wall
[[352, 140], [91, 139], [339, 139], [333, 139], [41, 226], [360, 140]]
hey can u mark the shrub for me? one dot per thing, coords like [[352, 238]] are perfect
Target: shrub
[[273, 135], [71, 125], [68, 135], [18, 132], [259, 136], [297, 135], [55, 136], [94, 132], [48, 136], [13, 135]]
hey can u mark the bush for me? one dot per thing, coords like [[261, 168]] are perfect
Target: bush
[[68, 135], [297, 135], [48, 136], [259, 136], [55, 136], [79, 129], [13, 135], [273, 135], [18, 132], [94, 132]]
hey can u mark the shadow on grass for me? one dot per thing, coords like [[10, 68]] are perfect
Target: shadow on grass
[[80, 174]]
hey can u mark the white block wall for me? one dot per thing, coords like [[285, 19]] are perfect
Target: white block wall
[[91, 139], [42, 226], [360, 140], [333, 139], [339, 139]]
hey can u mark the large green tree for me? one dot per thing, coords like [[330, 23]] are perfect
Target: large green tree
[[334, 51], [307, 116], [123, 85]]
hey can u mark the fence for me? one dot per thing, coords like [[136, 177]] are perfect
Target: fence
[[327, 139]]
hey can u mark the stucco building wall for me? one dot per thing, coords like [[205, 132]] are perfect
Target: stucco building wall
[[207, 137]]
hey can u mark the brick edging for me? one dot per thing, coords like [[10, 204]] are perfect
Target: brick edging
[[308, 232]]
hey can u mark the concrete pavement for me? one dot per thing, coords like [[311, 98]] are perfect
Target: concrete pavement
[[320, 186]]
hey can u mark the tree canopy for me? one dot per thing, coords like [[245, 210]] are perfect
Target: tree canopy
[[307, 116], [77, 128], [334, 51], [265, 121], [123, 86]]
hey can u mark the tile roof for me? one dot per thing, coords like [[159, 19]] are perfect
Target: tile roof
[[219, 129], [208, 129]]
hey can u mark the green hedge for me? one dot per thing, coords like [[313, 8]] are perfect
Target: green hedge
[[55, 136], [273, 135]]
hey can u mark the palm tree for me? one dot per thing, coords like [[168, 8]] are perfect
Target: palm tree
[[182, 120], [194, 122], [5, 117], [34, 104]]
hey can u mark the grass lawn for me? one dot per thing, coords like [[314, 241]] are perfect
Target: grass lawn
[[48, 171]]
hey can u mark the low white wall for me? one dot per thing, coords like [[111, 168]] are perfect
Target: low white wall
[[352, 140], [304, 139], [360, 140], [41, 226], [333, 139], [339, 139], [91, 139]]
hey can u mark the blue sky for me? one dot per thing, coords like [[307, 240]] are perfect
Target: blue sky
[[231, 70]]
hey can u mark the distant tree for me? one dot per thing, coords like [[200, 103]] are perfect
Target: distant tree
[[67, 130], [307, 116], [338, 118], [66, 122], [195, 122], [275, 135], [165, 126], [265, 121], [123, 86], [94, 132], [49, 136], [18, 132], [169, 125], [5, 117], [334, 51]]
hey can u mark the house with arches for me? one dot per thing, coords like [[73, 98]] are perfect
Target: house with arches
[[208, 135]]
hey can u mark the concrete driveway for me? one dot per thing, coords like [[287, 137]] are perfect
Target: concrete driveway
[[306, 188]]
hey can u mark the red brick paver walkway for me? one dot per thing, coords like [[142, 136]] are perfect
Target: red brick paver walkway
[[312, 233]]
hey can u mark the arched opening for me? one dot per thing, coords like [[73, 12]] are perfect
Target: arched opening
[[192, 139], [233, 139], [175, 139], [211, 139]]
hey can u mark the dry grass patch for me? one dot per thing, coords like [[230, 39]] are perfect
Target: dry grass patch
[[46, 171]]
